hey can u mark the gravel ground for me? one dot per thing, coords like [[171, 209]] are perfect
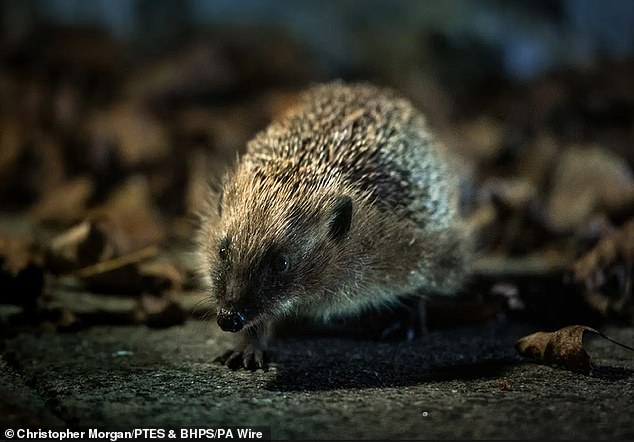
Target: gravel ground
[[458, 383]]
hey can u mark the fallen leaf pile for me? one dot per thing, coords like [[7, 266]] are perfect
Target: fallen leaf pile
[[105, 154]]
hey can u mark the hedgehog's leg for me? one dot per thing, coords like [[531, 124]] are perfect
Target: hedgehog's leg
[[249, 353]]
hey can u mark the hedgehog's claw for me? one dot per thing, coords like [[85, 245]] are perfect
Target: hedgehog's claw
[[254, 358], [251, 358]]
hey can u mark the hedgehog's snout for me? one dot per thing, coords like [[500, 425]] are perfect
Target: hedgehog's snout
[[231, 321]]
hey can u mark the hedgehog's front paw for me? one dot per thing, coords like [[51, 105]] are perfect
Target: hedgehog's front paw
[[250, 357]]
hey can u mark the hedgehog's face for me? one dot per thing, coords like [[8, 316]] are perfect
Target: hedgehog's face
[[247, 289], [268, 268]]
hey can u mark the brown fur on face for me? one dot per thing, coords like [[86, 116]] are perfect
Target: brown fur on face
[[345, 203]]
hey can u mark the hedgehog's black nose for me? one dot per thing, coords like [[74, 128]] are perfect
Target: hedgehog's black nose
[[230, 321]]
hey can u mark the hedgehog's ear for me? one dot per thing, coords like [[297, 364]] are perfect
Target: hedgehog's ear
[[340, 217]]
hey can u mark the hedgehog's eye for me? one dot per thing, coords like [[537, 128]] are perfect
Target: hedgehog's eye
[[281, 263], [223, 250]]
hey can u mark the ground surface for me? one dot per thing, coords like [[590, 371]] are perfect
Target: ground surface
[[461, 383]]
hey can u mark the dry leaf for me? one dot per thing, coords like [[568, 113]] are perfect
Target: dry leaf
[[138, 136], [82, 245], [618, 245], [87, 309], [512, 194], [159, 277], [132, 274], [65, 203], [563, 348], [584, 181], [613, 255], [160, 311], [130, 217], [118, 275]]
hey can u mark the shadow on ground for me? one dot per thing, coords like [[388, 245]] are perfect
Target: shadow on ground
[[328, 364]]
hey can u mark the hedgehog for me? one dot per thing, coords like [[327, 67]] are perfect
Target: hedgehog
[[344, 203]]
